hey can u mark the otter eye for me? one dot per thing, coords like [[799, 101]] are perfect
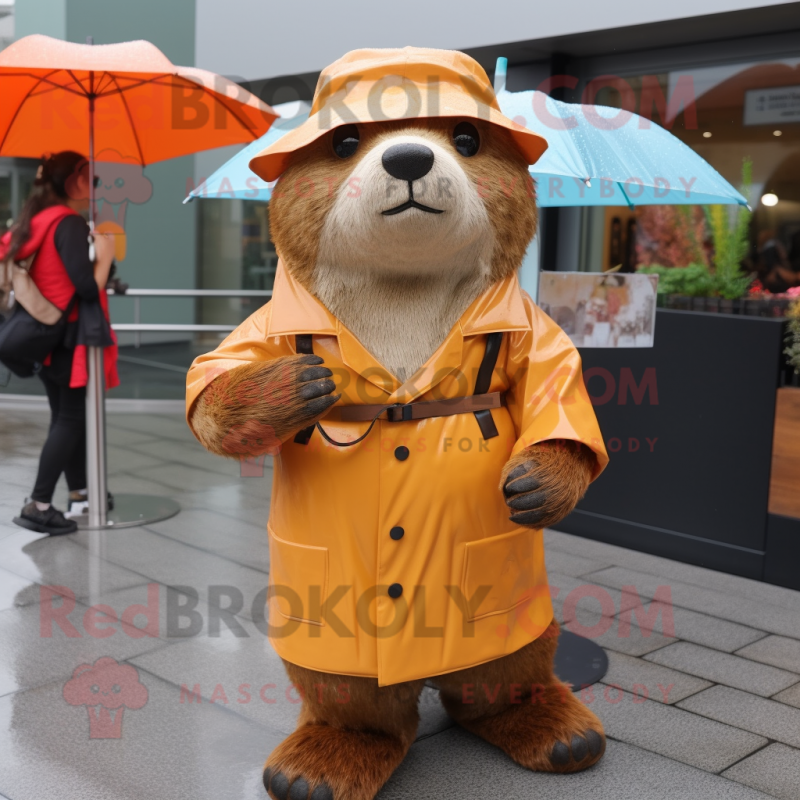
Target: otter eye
[[345, 141], [466, 139]]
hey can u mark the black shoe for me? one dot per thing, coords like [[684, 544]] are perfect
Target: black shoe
[[50, 521]]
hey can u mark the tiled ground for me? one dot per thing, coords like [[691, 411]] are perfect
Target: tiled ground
[[707, 706]]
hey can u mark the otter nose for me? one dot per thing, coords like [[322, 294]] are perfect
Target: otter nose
[[408, 162]]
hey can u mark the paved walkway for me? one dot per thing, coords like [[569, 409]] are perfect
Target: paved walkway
[[705, 707]]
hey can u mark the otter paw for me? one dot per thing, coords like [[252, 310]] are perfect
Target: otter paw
[[550, 732], [569, 757], [322, 762], [544, 482], [280, 787], [521, 495]]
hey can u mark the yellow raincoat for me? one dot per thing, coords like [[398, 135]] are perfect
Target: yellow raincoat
[[404, 568]]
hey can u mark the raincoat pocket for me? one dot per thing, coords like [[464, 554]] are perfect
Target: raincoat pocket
[[503, 565], [298, 579]]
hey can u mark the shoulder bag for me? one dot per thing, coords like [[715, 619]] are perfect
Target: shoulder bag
[[34, 327]]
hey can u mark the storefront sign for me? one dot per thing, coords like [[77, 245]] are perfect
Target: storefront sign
[[770, 106], [601, 309]]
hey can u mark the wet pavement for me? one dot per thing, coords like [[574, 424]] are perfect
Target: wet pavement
[[702, 698]]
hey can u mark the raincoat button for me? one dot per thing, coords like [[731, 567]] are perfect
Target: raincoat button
[[395, 590], [401, 453], [397, 533]]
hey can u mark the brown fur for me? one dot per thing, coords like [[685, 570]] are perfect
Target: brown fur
[[403, 318], [498, 170], [501, 177], [351, 734], [517, 704], [352, 740], [250, 410], [563, 469]]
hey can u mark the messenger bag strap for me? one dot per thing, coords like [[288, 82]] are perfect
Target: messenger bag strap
[[27, 294], [484, 381], [407, 412], [303, 343]]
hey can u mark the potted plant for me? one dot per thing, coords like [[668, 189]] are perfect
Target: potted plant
[[792, 350], [767, 304], [685, 288], [730, 237]]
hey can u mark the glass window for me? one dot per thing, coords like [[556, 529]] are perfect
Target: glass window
[[25, 179], [726, 113], [16, 181], [6, 212], [259, 259], [235, 252]]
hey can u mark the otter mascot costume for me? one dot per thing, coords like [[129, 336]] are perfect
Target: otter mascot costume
[[426, 419]]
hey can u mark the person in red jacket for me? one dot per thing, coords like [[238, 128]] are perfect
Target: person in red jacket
[[51, 226]]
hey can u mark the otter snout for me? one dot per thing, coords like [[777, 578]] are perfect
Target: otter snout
[[408, 161]]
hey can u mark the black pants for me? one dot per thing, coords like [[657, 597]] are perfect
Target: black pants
[[65, 448]]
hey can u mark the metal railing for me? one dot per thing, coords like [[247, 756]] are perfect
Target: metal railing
[[137, 327], [142, 507]]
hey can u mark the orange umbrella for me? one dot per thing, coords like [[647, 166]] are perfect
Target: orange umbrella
[[113, 99], [143, 106], [109, 101]]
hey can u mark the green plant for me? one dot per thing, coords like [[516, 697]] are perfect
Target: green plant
[[730, 236], [695, 280], [670, 236], [692, 223], [793, 336]]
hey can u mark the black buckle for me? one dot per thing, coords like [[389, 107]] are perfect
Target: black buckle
[[399, 413]]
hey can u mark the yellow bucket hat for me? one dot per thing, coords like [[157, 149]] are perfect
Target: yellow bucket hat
[[393, 84]]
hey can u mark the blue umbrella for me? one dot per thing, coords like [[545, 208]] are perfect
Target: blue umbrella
[[602, 156], [597, 156], [234, 180]]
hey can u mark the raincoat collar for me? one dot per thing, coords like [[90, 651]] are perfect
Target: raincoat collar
[[295, 310]]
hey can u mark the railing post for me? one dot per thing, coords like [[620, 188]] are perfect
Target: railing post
[[96, 438], [130, 510], [137, 337]]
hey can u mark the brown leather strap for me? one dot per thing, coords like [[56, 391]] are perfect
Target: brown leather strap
[[480, 403], [411, 411], [303, 343], [484, 381]]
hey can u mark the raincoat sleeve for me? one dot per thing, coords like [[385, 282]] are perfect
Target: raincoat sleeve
[[248, 343], [547, 398]]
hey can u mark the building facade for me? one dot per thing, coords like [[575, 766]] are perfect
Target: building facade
[[723, 76]]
